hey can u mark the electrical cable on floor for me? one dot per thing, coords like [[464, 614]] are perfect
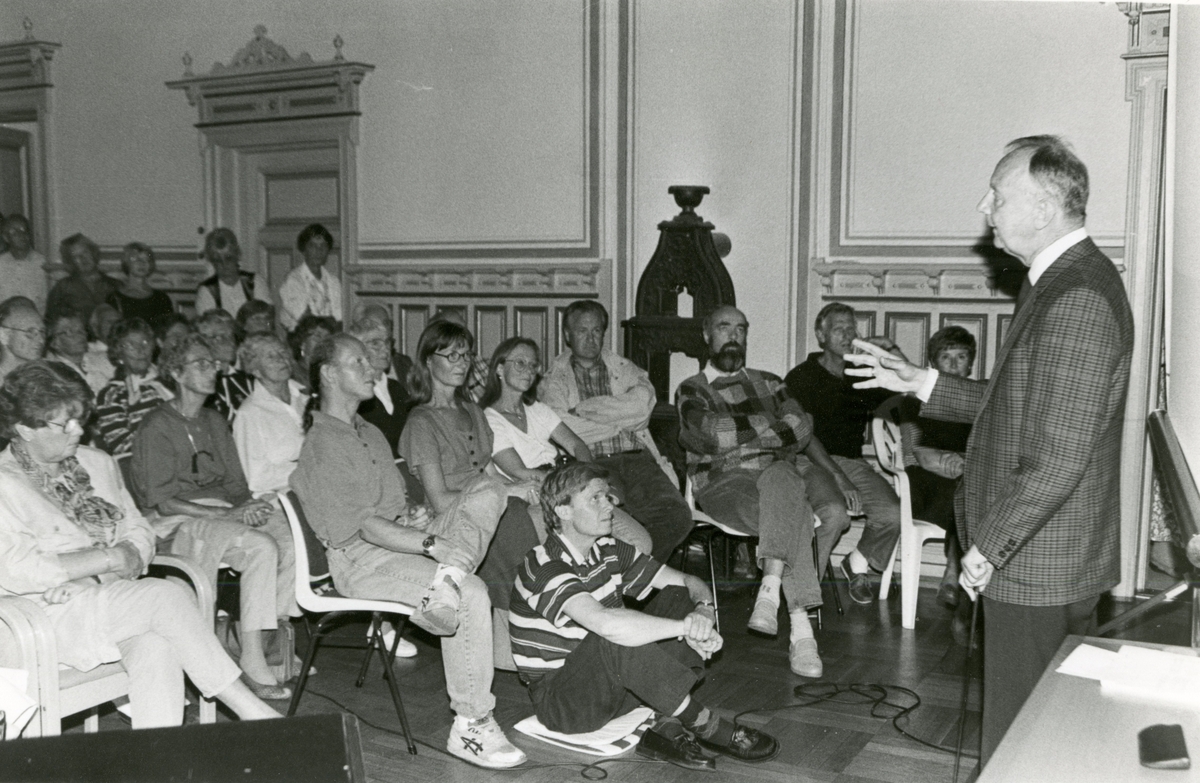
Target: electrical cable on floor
[[880, 697]]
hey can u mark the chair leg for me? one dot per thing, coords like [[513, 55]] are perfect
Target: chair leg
[[390, 676], [91, 724], [376, 628], [712, 581], [837, 594], [817, 571], [314, 641]]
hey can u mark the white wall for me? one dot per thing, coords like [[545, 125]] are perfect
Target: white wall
[[476, 121], [1184, 232], [713, 87], [472, 127]]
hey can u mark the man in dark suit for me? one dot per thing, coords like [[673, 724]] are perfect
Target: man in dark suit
[[1038, 510]]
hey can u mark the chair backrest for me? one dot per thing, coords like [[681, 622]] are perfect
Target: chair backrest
[[885, 437], [312, 566]]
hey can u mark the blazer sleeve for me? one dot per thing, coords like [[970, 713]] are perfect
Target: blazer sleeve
[[954, 399], [1075, 353]]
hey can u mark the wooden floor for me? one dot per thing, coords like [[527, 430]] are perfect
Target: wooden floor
[[837, 740]]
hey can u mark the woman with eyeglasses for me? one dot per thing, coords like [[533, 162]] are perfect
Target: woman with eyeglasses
[[22, 334], [448, 445], [525, 432], [73, 542], [185, 467], [67, 339]]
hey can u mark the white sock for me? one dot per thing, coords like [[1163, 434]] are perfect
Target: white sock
[[858, 563], [769, 591], [454, 573], [801, 627]]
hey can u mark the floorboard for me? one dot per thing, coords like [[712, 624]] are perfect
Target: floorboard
[[835, 741]]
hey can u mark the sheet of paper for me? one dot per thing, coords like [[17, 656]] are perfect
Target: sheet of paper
[[1088, 661]]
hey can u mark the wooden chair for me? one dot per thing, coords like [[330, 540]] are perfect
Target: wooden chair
[[885, 435], [333, 608], [62, 691]]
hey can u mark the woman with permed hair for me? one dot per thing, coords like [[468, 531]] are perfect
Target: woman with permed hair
[[73, 541]]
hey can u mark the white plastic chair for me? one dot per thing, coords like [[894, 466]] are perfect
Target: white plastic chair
[[62, 691], [885, 434], [333, 607]]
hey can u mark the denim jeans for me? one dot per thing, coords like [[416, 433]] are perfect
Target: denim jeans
[[601, 679], [828, 503], [882, 527], [773, 505], [363, 570]]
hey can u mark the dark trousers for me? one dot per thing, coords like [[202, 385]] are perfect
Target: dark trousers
[[650, 498], [1018, 646], [601, 679], [932, 496], [515, 536]]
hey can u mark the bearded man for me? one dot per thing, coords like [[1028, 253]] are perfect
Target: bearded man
[[742, 432]]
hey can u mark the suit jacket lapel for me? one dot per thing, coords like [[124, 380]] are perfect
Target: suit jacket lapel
[[1026, 304]]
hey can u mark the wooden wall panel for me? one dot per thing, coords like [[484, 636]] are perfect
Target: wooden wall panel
[[976, 324], [909, 331]]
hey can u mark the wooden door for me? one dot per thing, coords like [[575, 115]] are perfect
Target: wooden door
[[282, 192]]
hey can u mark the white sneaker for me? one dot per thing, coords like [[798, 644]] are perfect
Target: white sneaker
[[483, 744], [405, 649]]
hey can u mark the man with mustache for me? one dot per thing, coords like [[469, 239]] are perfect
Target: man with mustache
[[742, 432]]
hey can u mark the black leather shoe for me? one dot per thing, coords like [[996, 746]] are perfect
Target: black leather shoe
[[681, 750], [858, 585], [747, 744]]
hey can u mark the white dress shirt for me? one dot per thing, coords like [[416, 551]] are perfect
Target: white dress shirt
[[268, 433], [303, 291]]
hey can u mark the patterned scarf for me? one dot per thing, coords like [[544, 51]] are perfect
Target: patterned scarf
[[71, 491]]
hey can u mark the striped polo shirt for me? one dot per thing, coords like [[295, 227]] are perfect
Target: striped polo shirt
[[542, 634]]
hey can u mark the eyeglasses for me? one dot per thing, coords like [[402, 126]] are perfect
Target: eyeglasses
[[63, 426], [69, 332], [204, 364], [379, 343], [454, 357], [520, 365], [36, 331]]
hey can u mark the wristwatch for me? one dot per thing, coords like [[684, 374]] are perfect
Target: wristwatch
[[427, 544]]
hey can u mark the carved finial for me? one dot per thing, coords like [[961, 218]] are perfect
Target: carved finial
[[187, 64], [260, 31], [1131, 10], [338, 43], [27, 23]]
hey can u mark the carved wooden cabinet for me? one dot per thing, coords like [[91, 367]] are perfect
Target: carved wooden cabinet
[[688, 258]]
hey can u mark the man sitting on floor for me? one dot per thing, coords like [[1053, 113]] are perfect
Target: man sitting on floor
[[742, 433], [588, 659]]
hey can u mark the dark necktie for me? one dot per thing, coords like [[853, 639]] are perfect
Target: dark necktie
[[1026, 289]]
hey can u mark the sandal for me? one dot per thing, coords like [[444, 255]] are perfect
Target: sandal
[[267, 692]]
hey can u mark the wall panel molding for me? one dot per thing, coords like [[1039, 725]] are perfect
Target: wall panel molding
[[583, 240]]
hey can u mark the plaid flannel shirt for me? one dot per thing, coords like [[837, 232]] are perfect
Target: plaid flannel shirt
[[742, 421]]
